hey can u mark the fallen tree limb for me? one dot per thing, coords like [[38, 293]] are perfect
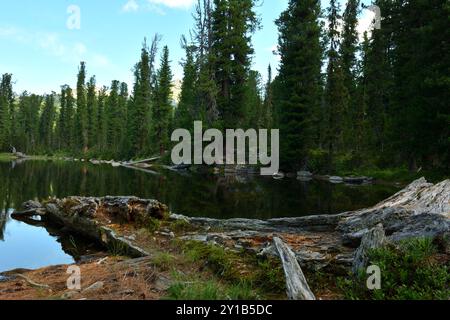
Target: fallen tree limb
[[31, 282], [296, 284], [143, 161]]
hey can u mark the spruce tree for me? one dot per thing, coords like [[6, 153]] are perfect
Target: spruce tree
[[187, 108], [47, 122], [162, 106], [336, 94], [82, 121], [102, 120], [114, 121], [298, 83], [6, 106], [92, 112], [348, 55]]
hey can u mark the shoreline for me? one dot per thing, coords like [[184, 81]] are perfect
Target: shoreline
[[396, 177]]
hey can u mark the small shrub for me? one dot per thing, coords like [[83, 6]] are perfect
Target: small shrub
[[163, 261], [241, 291], [270, 275], [181, 226], [409, 271], [216, 257], [117, 248], [152, 225], [209, 290]]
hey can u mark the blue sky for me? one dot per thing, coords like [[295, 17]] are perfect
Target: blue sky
[[43, 53]]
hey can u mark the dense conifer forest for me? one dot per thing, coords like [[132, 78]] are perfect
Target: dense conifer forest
[[340, 102]]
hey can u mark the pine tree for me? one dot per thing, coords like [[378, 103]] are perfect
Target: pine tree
[[113, 119], [298, 83], [421, 67], [66, 121], [82, 121], [162, 107], [102, 120], [348, 56], [253, 101], [92, 112], [187, 108], [379, 81], [267, 113], [6, 106], [122, 118], [28, 122], [206, 89], [140, 109], [336, 94], [233, 23], [47, 122]]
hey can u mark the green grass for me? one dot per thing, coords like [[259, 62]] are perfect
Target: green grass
[[117, 249], [163, 260], [210, 290], [242, 271], [7, 157], [409, 271]]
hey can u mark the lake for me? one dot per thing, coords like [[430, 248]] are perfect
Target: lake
[[193, 194]]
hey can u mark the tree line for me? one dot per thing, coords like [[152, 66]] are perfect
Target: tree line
[[340, 100]]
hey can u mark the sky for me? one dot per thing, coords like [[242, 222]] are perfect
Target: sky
[[42, 43]]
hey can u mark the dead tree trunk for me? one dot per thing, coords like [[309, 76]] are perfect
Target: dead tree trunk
[[296, 284]]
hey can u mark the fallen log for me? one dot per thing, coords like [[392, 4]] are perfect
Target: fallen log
[[296, 284], [31, 282], [143, 161], [25, 214]]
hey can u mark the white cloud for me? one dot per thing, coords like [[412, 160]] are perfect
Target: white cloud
[[51, 44], [155, 8], [130, 6], [180, 4]]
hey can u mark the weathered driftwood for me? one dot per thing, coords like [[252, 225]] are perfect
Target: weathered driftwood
[[89, 217], [420, 210], [296, 284], [31, 282], [144, 161], [373, 239]]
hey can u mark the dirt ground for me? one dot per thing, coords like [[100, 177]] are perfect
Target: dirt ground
[[102, 278]]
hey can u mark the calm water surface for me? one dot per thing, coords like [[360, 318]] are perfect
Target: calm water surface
[[25, 246]]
